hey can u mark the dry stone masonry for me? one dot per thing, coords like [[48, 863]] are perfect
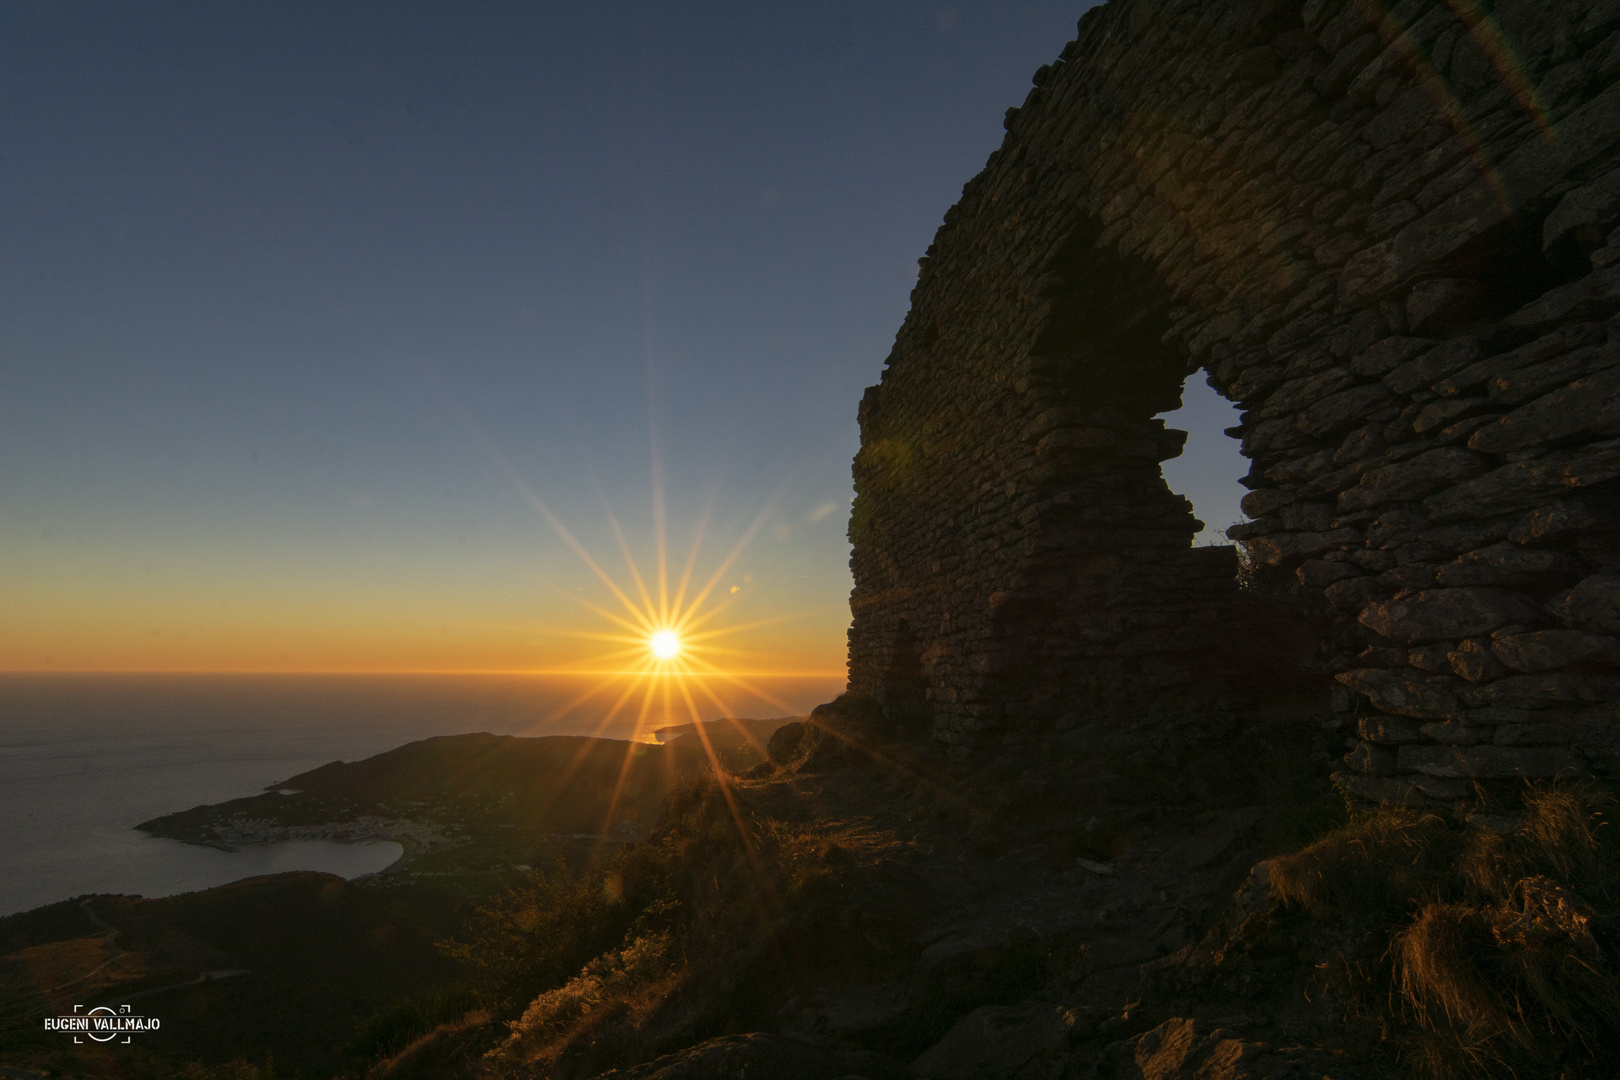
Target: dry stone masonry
[[1392, 234]]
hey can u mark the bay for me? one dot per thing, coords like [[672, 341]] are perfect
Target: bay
[[83, 758]]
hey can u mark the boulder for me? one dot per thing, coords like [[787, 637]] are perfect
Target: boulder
[[784, 742]]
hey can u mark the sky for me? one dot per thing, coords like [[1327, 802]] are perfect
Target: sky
[[338, 337]]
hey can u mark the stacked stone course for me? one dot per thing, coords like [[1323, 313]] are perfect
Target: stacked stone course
[[1393, 236]]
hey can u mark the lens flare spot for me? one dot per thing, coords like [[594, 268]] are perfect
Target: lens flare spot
[[665, 644]]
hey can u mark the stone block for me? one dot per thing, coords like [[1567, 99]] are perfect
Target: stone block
[[1540, 691], [1414, 478], [1317, 574], [1590, 405], [1371, 760], [1550, 523], [1549, 733], [1501, 564], [1337, 411], [1593, 604], [1434, 659], [1582, 219], [1390, 791], [1544, 650], [1457, 733], [1441, 302], [1489, 762], [1438, 614], [1403, 696], [1353, 594], [1523, 484], [1474, 661], [1388, 355]]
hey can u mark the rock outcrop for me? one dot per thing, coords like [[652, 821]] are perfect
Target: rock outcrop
[[1393, 236]]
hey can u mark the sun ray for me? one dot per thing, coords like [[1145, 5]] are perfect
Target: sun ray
[[691, 557], [629, 561]]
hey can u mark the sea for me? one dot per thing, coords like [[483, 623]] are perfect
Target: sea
[[84, 758]]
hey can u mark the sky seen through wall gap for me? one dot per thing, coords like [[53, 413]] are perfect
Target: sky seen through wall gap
[[1208, 469]]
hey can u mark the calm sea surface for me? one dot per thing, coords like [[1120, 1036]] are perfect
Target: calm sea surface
[[83, 758]]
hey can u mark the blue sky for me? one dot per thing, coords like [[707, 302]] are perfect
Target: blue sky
[[303, 302]]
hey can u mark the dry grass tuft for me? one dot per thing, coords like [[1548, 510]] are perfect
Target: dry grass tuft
[[1371, 864], [1438, 962], [1499, 946], [618, 983], [435, 1053]]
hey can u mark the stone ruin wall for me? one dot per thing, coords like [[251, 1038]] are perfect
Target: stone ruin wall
[[1390, 235]]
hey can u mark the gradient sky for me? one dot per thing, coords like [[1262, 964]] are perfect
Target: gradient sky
[[305, 306]]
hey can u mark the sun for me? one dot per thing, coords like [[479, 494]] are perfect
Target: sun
[[665, 644]]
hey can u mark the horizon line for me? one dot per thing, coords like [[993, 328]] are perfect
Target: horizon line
[[443, 671]]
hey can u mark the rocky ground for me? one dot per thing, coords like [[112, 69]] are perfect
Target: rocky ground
[[1021, 920]]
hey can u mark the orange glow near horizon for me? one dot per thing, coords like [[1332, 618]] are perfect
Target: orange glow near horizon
[[666, 634]]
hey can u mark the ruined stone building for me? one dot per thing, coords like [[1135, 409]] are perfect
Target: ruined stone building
[[1390, 234]]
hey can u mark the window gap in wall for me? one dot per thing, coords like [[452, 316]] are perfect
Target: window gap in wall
[[1208, 469]]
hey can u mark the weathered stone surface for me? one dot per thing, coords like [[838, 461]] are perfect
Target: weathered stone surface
[[1586, 406], [1432, 658], [1276, 550], [1546, 733], [1538, 691], [1592, 297], [1502, 564], [1386, 729], [1543, 650], [1183, 1049], [1413, 478], [1489, 762], [1437, 614], [1550, 523], [785, 742], [1474, 661], [1402, 696], [1440, 303], [1523, 484], [1316, 574], [1388, 355], [1593, 604], [994, 1041], [1553, 343], [1457, 733], [1407, 790], [1353, 594], [1371, 760], [1581, 220]]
